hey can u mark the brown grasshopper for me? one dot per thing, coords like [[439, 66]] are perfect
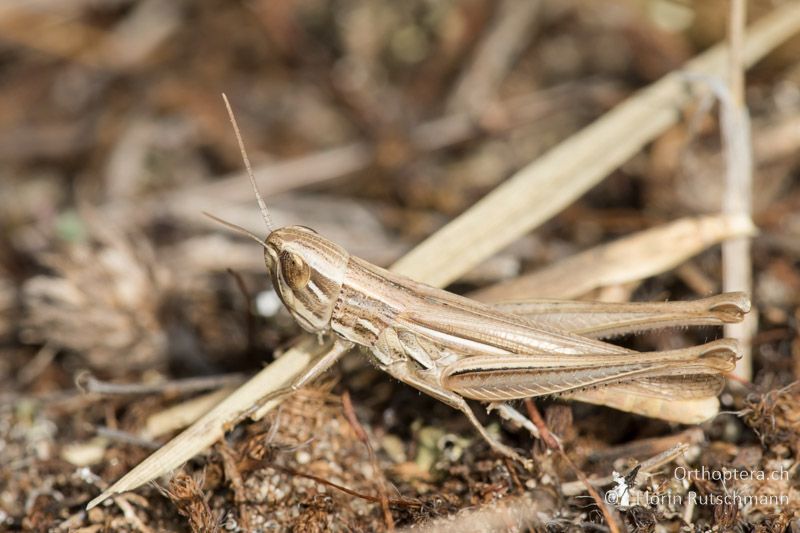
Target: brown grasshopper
[[454, 348]]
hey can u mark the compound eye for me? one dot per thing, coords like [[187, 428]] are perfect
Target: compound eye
[[296, 272]]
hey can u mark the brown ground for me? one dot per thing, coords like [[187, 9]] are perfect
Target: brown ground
[[111, 129]]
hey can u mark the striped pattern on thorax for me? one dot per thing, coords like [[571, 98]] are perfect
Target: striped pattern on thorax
[[365, 305]]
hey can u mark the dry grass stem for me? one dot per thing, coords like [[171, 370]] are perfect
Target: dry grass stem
[[737, 269], [181, 415], [90, 384], [631, 258]]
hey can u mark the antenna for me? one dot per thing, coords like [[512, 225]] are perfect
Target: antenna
[[261, 204], [236, 228]]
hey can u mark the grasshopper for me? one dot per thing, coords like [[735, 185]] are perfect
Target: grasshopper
[[455, 349]]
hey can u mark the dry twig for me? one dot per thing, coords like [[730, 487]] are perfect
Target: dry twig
[[380, 480]]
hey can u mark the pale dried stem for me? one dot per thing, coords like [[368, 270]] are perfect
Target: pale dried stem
[[182, 386], [736, 28], [527, 199], [631, 258], [181, 415], [124, 437], [737, 270]]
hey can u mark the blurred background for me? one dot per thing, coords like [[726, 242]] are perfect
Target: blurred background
[[373, 122]]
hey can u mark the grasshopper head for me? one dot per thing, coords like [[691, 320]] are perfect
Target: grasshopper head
[[307, 272]]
